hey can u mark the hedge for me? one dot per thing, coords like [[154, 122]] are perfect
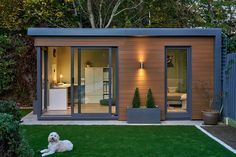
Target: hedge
[[12, 143], [10, 107]]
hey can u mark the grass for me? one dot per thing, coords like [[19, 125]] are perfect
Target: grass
[[128, 141], [24, 112]]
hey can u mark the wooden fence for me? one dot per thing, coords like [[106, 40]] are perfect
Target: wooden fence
[[229, 86]]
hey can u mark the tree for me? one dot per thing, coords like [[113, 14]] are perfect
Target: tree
[[49, 13], [11, 11], [101, 13], [10, 49], [136, 99], [150, 101], [171, 13], [220, 13]]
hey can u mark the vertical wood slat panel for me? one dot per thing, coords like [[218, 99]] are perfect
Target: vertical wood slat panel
[[151, 51], [229, 86]]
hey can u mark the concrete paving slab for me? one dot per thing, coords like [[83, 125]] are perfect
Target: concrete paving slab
[[31, 119]]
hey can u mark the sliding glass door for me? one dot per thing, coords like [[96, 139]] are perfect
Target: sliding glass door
[[178, 82], [93, 78]]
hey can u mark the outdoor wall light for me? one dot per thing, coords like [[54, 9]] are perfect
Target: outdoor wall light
[[141, 65]]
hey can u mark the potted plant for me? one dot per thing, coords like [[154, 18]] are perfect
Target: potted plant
[[148, 114], [211, 115]]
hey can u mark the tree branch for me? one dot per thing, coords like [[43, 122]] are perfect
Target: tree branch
[[81, 7], [141, 1], [113, 12], [107, 12]]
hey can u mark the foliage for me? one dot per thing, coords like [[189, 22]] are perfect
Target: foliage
[[17, 68], [232, 44], [170, 13], [10, 107], [10, 49], [17, 53], [136, 99], [150, 101], [49, 13], [12, 142], [26, 69], [212, 14], [11, 15], [19, 15]]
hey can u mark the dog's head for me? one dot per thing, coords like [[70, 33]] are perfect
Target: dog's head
[[53, 137]]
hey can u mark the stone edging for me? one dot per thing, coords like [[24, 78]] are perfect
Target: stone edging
[[216, 139]]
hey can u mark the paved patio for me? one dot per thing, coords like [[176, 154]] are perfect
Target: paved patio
[[225, 133], [31, 119]]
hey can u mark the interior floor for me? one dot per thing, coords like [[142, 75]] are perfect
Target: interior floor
[[175, 109], [85, 108]]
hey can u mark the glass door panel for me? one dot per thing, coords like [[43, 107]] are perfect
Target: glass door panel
[[55, 81], [176, 80], [93, 80], [94, 68]]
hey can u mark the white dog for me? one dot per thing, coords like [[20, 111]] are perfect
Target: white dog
[[55, 145]]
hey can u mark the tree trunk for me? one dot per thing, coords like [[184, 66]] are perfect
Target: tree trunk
[[100, 14], [91, 16]]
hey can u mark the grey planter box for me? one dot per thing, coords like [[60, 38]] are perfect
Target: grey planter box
[[143, 115]]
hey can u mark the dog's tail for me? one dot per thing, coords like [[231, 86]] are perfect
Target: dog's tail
[[70, 145]]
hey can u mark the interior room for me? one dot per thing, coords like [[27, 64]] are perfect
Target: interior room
[[92, 85], [176, 80]]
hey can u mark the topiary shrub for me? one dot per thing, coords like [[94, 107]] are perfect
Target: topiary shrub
[[10, 107], [149, 101], [136, 99], [12, 143]]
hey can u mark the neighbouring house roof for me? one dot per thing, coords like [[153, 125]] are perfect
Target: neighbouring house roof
[[122, 32]]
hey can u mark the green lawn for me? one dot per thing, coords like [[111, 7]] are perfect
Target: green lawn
[[24, 112], [128, 141]]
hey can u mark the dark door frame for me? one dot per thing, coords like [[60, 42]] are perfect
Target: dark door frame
[[188, 114], [83, 116]]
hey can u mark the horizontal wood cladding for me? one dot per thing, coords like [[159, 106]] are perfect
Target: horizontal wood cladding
[[150, 50]]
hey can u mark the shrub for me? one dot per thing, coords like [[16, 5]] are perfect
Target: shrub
[[17, 68], [10, 107], [150, 102], [11, 139], [136, 99], [10, 50], [105, 102]]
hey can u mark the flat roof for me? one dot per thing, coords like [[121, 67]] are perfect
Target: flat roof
[[121, 32]]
